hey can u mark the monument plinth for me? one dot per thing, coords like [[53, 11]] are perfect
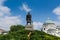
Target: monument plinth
[[29, 25]]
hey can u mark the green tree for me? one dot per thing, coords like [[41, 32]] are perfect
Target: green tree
[[16, 28], [18, 32]]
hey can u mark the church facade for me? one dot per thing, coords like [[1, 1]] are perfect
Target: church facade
[[51, 28]]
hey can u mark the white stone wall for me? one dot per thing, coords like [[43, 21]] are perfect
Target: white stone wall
[[50, 29], [29, 27]]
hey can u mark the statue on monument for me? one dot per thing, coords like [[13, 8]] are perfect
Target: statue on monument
[[28, 18], [29, 25]]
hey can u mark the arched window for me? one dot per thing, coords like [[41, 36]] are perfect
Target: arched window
[[44, 28]]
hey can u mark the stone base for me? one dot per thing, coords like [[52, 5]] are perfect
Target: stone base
[[29, 27]]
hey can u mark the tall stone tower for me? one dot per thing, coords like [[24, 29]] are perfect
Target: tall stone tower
[[29, 25]]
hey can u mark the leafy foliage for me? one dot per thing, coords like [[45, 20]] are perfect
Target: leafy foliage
[[16, 28], [18, 32]]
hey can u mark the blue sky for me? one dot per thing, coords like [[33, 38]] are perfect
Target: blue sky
[[41, 10]]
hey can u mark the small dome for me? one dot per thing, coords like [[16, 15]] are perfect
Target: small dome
[[49, 21]]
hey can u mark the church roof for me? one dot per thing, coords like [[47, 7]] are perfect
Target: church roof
[[49, 21]]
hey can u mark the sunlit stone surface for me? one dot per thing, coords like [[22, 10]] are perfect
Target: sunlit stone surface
[[51, 28], [29, 27]]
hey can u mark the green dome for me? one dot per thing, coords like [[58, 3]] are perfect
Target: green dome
[[49, 21]]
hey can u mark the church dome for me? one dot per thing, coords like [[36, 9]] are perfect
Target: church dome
[[49, 21]]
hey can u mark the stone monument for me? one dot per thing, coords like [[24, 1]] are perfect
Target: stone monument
[[29, 25]]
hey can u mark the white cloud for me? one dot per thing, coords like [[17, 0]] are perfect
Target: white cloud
[[2, 2], [37, 25], [6, 20], [25, 7], [57, 10], [4, 10], [58, 17], [57, 23]]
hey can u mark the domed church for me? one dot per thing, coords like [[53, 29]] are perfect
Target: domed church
[[50, 27]]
